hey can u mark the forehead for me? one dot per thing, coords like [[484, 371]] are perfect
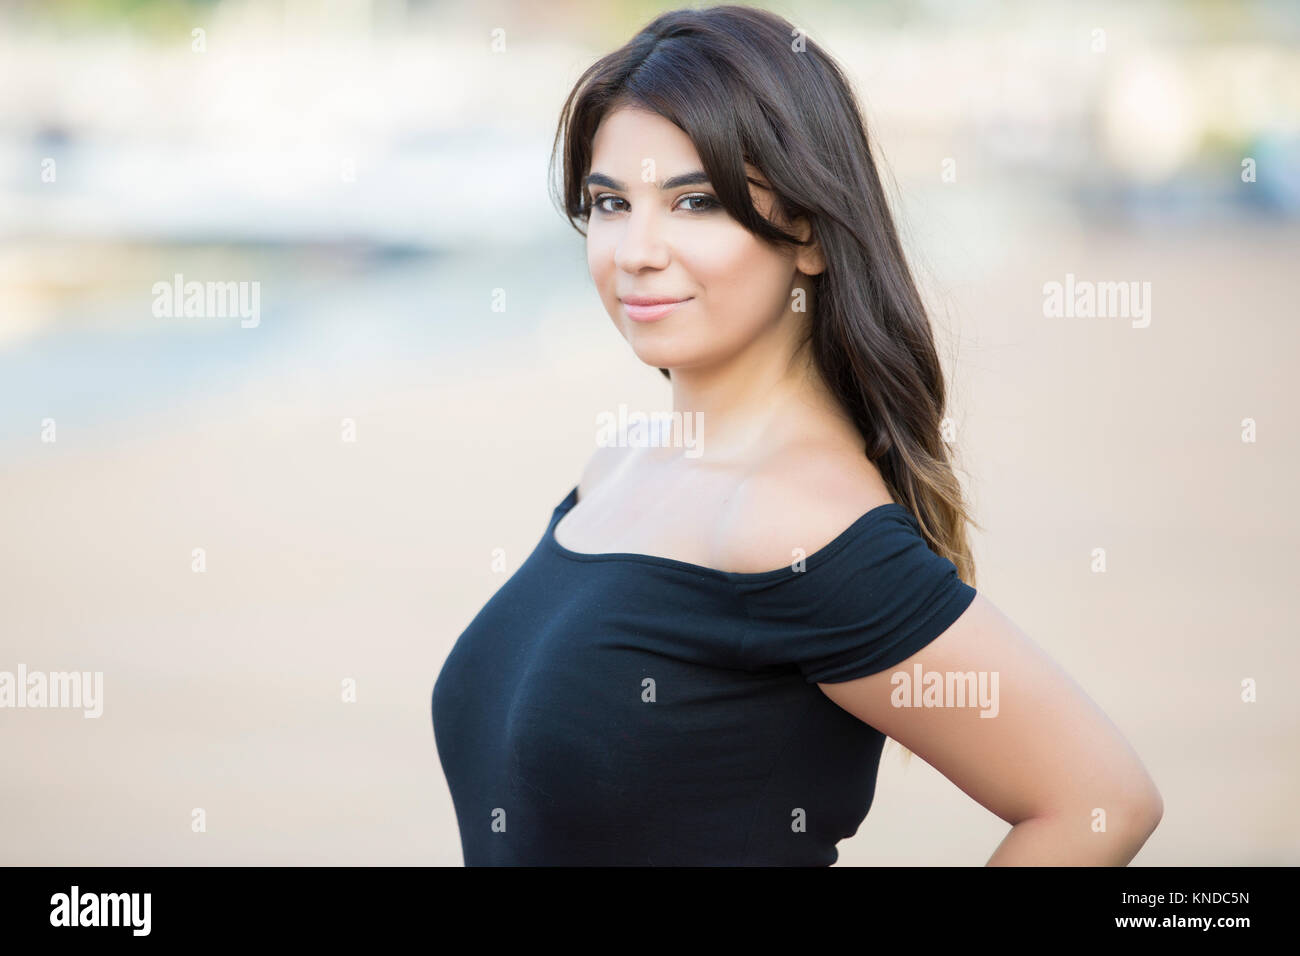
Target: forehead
[[628, 136]]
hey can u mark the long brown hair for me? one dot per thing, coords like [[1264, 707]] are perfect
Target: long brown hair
[[746, 86]]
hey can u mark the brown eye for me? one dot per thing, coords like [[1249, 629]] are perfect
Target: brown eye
[[709, 202]]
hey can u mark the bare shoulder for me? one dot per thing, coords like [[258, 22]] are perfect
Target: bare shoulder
[[604, 461], [799, 502]]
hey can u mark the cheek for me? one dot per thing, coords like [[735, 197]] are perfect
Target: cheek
[[600, 257], [744, 280]]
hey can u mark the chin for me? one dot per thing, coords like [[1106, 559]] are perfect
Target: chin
[[661, 356], [673, 362]]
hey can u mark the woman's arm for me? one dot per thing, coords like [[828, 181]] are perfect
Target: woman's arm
[[1047, 761]]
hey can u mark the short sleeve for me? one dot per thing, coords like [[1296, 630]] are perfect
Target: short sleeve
[[869, 600]]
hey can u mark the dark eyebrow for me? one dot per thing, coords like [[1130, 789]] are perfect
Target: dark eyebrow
[[696, 178]]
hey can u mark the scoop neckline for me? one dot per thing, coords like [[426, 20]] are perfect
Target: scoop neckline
[[825, 551]]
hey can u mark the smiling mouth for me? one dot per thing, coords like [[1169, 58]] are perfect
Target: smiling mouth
[[649, 310]]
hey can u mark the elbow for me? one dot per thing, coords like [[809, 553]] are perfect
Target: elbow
[[1155, 810], [1143, 813]]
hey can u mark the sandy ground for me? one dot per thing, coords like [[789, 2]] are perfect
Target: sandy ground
[[329, 561]]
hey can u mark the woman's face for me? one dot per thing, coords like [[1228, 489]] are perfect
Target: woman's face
[[679, 243]]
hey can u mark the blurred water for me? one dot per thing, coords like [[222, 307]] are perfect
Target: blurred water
[[419, 316]]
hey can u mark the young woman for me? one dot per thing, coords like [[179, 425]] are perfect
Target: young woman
[[701, 659]]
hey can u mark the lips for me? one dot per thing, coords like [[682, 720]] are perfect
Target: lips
[[648, 308]]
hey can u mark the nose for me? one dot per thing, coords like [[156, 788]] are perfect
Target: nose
[[642, 244]]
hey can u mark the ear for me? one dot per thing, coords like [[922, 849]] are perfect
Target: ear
[[809, 259]]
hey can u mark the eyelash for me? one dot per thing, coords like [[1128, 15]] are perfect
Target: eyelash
[[710, 202]]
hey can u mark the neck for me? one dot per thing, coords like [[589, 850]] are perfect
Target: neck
[[755, 400]]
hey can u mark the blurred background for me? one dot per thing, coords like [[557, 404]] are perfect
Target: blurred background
[[378, 169]]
